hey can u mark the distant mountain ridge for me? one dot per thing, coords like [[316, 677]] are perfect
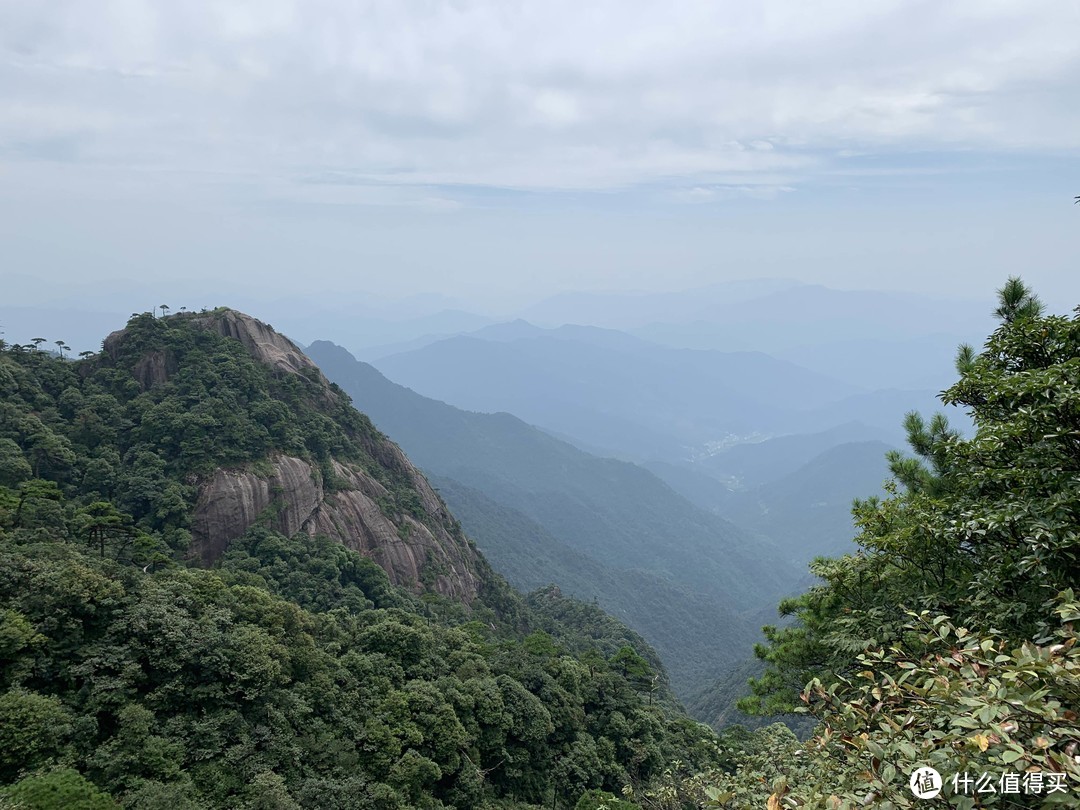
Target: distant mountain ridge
[[685, 573], [807, 513], [611, 390], [629, 310], [795, 490], [752, 464], [813, 314]]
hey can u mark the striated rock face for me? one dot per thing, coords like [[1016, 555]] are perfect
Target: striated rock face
[[293, 499], [154, 368], [233, 500], [261, 341]]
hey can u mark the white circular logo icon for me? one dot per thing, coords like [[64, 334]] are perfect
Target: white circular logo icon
[[925, 783]]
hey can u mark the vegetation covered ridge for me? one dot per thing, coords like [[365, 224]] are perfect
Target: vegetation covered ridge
[[294, 672], [200, 425]]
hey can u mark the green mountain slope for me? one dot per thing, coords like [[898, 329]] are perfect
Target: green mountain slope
[[681, 569], [294, 672], [695, 633]]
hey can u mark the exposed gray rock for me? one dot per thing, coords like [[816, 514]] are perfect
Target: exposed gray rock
[[233, 500], [154, 368], [293, 499], [264, 344]]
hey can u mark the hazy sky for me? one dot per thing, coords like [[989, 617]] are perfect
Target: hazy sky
[[504, 150]]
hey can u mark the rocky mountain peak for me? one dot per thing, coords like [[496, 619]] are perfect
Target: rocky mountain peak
[[370, 498], [260, 339]]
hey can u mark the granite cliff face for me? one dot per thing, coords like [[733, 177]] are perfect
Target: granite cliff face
[[260, 339], [423, 548], [292, 498]]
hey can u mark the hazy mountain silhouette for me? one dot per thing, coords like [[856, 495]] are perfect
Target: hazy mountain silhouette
[[672, 570], [610, 390]]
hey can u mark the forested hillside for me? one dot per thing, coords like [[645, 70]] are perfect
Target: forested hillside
[[294, 672], [687, 580]]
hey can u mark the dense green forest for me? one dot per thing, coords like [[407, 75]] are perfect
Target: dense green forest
[[292, 673]]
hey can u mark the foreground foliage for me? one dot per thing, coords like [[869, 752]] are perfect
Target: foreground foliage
[[207, 689], [949, 639]]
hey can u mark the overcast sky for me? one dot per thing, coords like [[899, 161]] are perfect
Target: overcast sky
[[505, 150]]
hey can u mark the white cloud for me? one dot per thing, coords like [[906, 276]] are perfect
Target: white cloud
[[692, 95]]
